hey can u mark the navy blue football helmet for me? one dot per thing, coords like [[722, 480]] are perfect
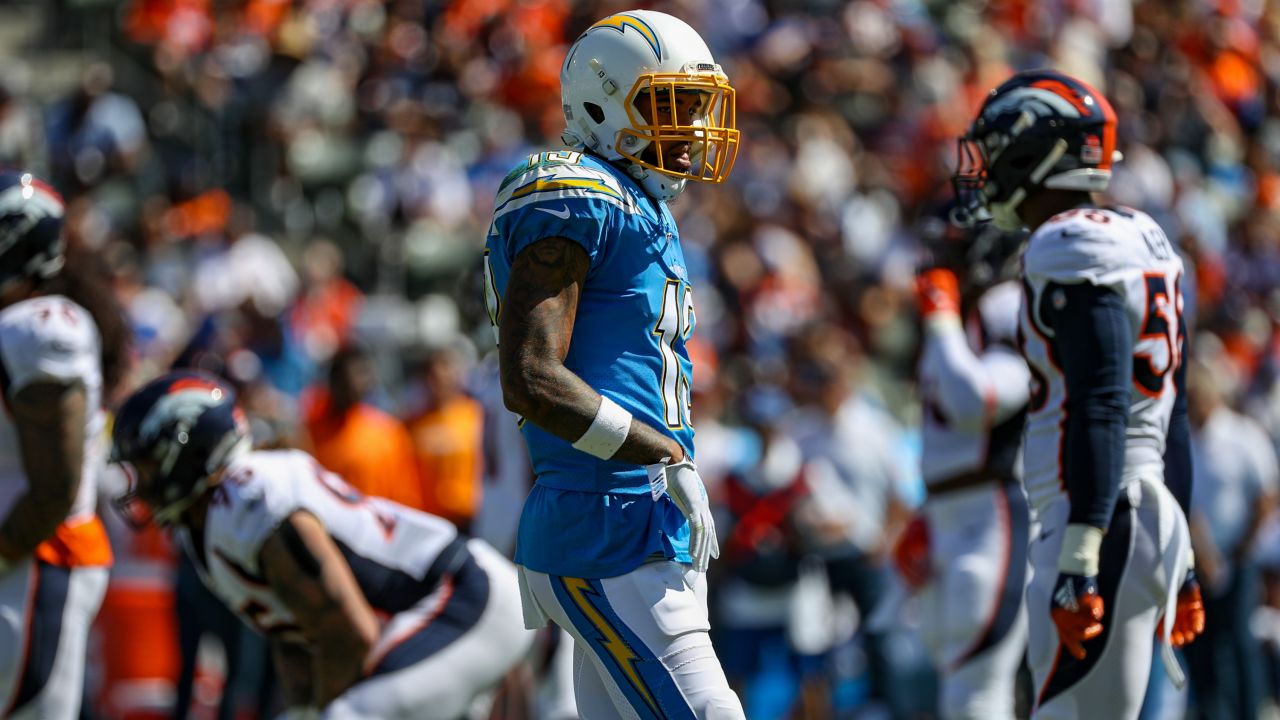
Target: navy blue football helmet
[[169, 438], [1038, 129], [31, 212]]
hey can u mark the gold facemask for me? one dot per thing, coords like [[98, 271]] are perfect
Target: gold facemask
[[712, 133]]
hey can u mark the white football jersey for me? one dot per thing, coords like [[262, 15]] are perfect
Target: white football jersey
[[391, 549], [974, 403], [1124, 250], [51, 338]]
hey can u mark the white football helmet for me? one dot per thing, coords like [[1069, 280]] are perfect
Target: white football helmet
[[635, 60]]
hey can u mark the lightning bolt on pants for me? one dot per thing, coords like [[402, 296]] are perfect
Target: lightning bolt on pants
[[641, 644]]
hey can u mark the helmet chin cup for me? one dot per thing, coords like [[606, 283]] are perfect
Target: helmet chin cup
[[663, 188], [660, 187]]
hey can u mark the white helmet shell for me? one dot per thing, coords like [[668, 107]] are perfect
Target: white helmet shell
[[638, 51]]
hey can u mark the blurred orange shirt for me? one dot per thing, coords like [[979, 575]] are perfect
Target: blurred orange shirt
[[368, 448], [449, 444]]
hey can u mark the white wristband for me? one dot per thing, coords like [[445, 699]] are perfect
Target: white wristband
[[607, 432], [1081, 546]]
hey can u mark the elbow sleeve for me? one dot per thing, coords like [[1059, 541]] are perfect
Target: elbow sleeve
[[1093, 340], [1177, 450]]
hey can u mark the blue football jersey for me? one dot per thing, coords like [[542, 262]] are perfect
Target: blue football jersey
[[589, 517]]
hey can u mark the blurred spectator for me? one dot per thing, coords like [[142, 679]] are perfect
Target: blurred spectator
[[95, 134], [447, 436], [761, 551], [21, 135], [1236, 480], [856, 480], [326, 311], [368, 447]]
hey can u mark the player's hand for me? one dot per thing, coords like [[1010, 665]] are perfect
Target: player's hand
[[1076, 608], [1188, 618], [682, 483], [911, 553], [938, 291]]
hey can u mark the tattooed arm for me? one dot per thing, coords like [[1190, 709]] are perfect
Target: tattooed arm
[[50, 418], [534, 331], [308, 573]]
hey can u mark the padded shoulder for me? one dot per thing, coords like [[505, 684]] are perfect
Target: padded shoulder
[[1089, 246], [552, 176], [259, 492], [561, 194], [48, 338]]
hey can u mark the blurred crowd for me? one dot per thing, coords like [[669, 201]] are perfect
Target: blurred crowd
[[294, 194]]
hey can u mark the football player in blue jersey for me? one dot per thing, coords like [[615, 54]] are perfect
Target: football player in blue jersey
[[587, 286]]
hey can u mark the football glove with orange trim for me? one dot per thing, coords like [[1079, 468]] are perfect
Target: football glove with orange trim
[[937, 291], [1188, 617], [1076, 609], [911, 553]]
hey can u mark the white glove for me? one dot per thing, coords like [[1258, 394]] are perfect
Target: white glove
[[682, 484]]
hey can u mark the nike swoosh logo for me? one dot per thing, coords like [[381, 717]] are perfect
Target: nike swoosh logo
[[562, 213]]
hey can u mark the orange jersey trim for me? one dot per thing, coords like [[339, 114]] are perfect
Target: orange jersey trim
[[78, 543]]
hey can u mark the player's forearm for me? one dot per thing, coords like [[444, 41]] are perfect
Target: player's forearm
[[338, 663], [959, 383], [31, 521], [294, 667], [558, 401], [1093, 343], [973, 388], [50, 420]]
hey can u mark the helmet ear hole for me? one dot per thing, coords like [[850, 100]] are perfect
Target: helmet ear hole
[[595, 112]]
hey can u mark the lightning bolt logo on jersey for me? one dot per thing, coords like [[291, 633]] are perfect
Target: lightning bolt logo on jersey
[[633, 319]]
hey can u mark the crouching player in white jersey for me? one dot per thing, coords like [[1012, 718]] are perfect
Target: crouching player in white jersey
[[586, 282], [970, 539], [1106, 452], [374, 610], [63, 343]]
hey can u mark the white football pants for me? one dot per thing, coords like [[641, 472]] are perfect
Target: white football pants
[[641, 648], [974, 620], [45, 615]]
